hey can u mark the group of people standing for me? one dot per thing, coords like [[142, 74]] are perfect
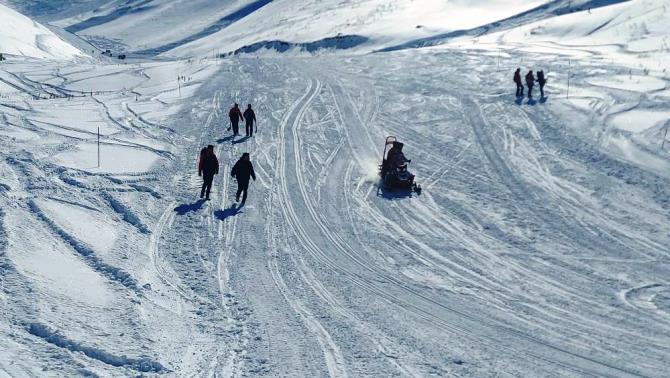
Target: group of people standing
[[530, 82], [243, 170], [235, 115]]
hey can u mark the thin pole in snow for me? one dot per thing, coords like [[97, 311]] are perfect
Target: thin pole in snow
[[498, 59], [98, 146], [665, 137], [567, 95]]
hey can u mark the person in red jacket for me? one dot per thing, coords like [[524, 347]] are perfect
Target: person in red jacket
[[207, 168], [235, 115]]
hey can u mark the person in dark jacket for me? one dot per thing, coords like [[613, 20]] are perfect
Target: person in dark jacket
[[235, 115], [542, 81], [395, 157], [530, 81], [517, 81], [207, 168], [250, 118], [242, 171]]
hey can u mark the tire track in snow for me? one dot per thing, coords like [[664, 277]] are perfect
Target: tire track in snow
[[333, 355], [535, 348]]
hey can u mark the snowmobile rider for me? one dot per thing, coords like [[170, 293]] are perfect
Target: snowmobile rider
[[250, 117], [517, 81], [207, 168], [395, 155], [242, 171], [530, 81], [235, 115]]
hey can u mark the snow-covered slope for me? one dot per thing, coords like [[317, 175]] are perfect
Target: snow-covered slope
[[537, 248], [633, 32], [19, 35], [545, 11], [382, 22], [199, 27]]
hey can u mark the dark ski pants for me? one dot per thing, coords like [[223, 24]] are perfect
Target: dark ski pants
[[250, 129], [530, 91], [519, 90], [242, 187], [542, 90], [206, 185], [236, 126]]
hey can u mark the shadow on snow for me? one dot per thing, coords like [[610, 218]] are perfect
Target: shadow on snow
[[241, 140], [185, 208], [229, 212]]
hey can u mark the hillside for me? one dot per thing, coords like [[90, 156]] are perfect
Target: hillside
[[21, 36], [201, 27]]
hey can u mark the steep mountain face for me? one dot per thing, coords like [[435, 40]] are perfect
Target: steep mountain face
[[19, 35]]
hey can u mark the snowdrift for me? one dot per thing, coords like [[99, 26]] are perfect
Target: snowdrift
[[19, 35]]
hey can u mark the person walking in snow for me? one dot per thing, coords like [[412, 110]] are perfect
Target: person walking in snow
[[207, 168], [235, 115], [250, 118], [517, 81], [542, 81], [530, 81], [243, 170]]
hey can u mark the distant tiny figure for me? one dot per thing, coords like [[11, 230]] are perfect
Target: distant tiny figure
[[250, 118], [207, 168], [517, 80], [235, 115], [542, 81], [242, 171], [530, 81]]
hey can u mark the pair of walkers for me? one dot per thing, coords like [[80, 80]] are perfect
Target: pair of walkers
[[208, 166], [235, 115], [530, 82]]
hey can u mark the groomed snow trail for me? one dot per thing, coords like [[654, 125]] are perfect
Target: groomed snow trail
[[529, 253]]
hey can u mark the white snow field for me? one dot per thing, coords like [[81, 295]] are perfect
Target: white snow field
[[19, 35], [539, 246]]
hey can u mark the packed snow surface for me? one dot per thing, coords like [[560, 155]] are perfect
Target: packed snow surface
[[539, 246]]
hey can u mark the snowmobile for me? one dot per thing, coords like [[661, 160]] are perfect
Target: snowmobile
[[396, 177]]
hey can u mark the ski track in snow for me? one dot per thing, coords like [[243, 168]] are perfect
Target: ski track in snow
[[530, 252]]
